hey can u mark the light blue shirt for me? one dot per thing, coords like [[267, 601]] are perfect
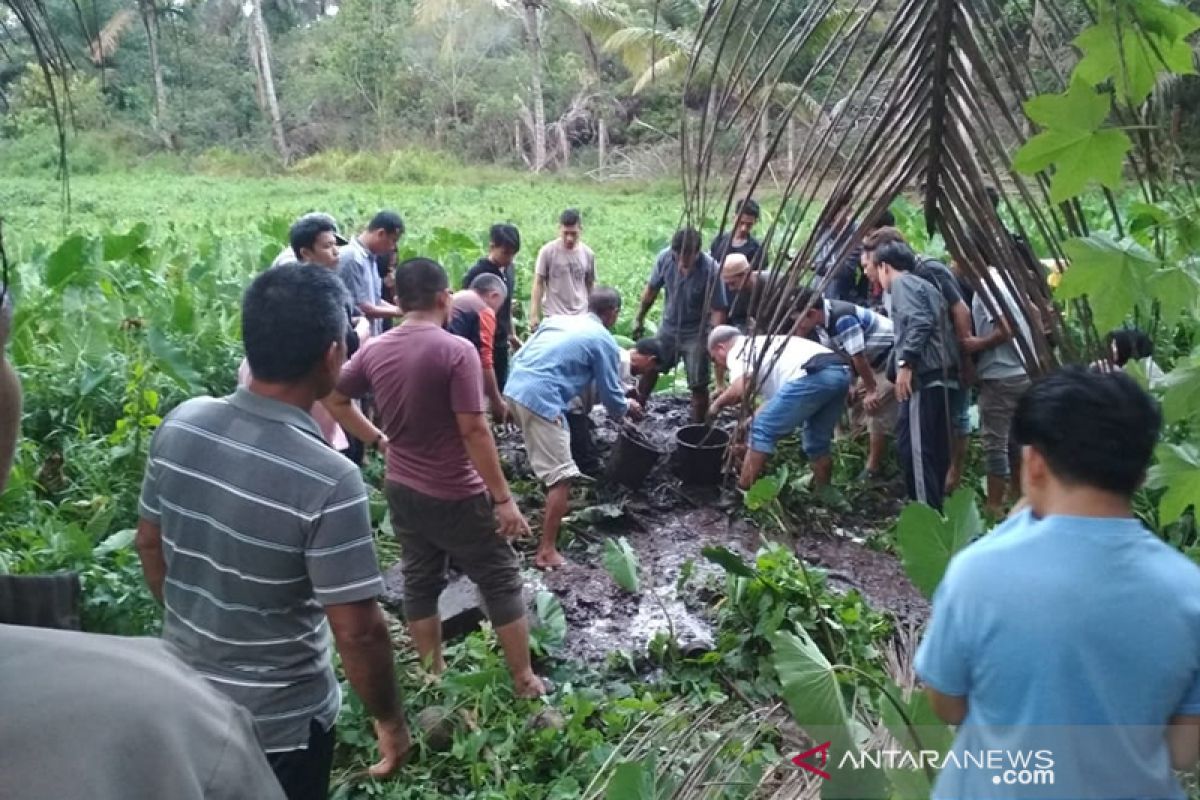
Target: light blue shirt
[[356, 266], [1080, 636], [560, 360]]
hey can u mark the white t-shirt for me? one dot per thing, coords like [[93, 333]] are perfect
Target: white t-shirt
[[784, 360]]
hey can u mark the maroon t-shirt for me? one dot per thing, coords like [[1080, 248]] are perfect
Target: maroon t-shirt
[[421, 377]]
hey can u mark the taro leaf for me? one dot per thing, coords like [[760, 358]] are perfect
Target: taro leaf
[[1178, 471], [927, 541], [730, 561], [622, 564], [129, 246], [1182, 384], [120, 540], [633, 780], [172, 362], [1176, 289], [596, 515], [552, 622], [930, 732], [1110, 273], [763, 493], [67, 262]]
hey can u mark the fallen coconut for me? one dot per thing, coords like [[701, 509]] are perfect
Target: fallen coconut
[[548, 717], [438, 724]]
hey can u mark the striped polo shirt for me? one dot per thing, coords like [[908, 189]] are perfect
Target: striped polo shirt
[[263, 524]]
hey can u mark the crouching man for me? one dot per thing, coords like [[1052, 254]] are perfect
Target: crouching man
[[801, 383]]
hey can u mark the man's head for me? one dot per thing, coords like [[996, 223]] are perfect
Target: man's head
[[1082, 429], [685, 244], [570, 226], [721, 340], [314, 239], [872, 242], [891, 260], [735, 272], [1125, 344], [747, 218], [646, 356], [383, 233], [491, 288], [885, 219], [423, 286], [504, 242], [605, 303], [294, 327], [809, 311]]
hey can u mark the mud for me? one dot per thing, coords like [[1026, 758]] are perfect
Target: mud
[[667, 524]]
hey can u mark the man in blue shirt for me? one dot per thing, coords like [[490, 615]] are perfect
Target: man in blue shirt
[[1071, 628], [557, 363], [359, 271], [696, 298]]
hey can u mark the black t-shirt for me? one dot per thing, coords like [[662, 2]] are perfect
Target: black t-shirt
[[485, 265], [750, 302], [940, 276], [750, 248]]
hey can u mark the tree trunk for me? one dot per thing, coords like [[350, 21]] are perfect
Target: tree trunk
[[764, 134], [602, 140], [261, 49], [535, 85], [791, 143], [149, 14]]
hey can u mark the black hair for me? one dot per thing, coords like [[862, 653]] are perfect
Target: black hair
[[419, 281], [503, 235], [569, 217], [604, 299], [389, 221], [650, 347], [802, 300], [1093, 429], [1131, 344], [897, 255], [304, 232], [685, 239], [290, 316], [748, 207], [881, 236], [886, 219]]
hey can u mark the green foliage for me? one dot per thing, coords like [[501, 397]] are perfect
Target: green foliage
[[928, 540], [1178, 472], [622, 564], [551, 630]]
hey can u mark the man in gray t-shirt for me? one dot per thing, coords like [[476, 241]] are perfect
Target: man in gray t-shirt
[[360, 272], [696, 299], [255, 536]]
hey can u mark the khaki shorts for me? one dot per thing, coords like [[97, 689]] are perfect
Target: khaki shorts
[[548, 445], [883, 421]]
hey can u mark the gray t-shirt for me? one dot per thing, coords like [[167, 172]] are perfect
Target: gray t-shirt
[[1003, 361], [566, 275], [684, 311], [263, 524], [357, 269], [91, 717]]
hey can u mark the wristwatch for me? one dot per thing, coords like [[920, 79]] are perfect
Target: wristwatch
[[903, 364]]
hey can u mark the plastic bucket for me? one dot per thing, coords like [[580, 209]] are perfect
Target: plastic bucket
[[632, 459], [701, 454]]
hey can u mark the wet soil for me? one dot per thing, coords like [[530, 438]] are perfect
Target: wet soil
[[667, 524]]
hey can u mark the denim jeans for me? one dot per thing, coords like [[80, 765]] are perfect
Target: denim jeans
[[815, 401]]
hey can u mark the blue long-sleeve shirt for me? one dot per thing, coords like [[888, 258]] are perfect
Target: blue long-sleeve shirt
[[557, 363]]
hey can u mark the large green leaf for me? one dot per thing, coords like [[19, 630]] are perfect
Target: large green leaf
[[173, 362], [1182, 396], [632, 780], [1112, 275], [1132, 54], [927, 541], [730, 561], [68, 261], [1178, 471], [621, 563], [1176, 289], [552, 622]]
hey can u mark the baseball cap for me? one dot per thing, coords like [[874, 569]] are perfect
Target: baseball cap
[[337, 235]]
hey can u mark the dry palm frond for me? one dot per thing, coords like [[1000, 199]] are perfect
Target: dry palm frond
[[919, 96], [105, 45]]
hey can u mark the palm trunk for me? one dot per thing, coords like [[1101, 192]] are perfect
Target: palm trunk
[[791, 143], [261, 48], [602, 141], [535, 85], [149, 14], [764, 134]]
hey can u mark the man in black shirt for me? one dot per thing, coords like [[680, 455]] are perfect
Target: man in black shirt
[[752, 295], [740, 241], [504, 242]]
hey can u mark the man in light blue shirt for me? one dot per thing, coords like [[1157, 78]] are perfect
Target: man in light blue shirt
[[1071, 631], [359, 270], [557, 363]]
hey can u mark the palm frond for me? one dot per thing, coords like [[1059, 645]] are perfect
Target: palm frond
[[105, 45]]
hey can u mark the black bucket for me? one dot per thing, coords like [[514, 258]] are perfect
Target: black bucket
[[701, 454], [632, 458]]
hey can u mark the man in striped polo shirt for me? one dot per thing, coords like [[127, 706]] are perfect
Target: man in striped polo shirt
[[256, 538]]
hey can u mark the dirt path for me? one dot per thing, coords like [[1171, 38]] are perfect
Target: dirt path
[[667, 525]]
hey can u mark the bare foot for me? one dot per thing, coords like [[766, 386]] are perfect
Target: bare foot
[[548, 560], [529, 688]]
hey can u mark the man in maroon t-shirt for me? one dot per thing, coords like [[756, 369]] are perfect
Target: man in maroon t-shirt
[[445, 488]]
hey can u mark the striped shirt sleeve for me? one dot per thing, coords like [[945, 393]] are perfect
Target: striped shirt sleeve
[[340, 552]]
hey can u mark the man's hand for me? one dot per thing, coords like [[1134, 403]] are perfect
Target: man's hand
[[635, 411], [873, 402], [514, 343], [639, 329], [381, 445], [395, 745], [512, 524], [904, 381], [500, 412]]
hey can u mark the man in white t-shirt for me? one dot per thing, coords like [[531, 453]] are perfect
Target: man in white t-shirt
[[565, 273], [801, 382]]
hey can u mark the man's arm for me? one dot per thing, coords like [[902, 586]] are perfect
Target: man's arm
[[350, 417], [481, 449], [648, 298], [920, 315], [732, 395], [949, 709], [379, 310], [149, 549], [1183, 739], [607, 375], [535, 301], [864, 371]]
